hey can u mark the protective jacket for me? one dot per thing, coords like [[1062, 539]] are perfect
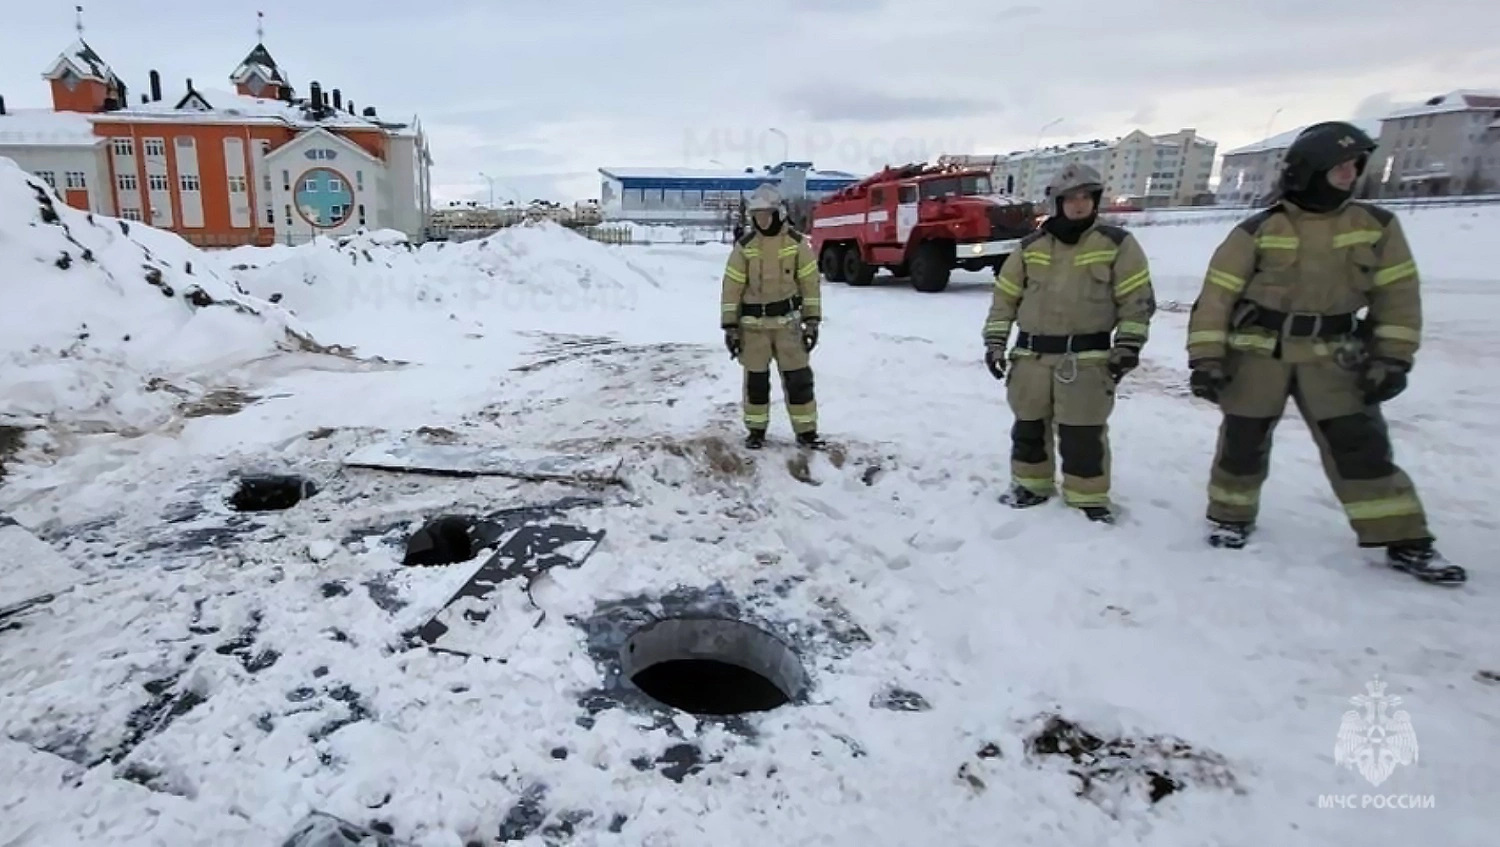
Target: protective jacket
[[1287, 283], [1100, 285], [769, 279]]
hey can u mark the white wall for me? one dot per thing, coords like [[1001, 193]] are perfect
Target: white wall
[[364, 173], [91, 161]]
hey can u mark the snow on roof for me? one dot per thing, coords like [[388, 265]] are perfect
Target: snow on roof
[[47, 128], [210, 104], [1281, 141], [259, 61], [82, 59], [1462, 100]]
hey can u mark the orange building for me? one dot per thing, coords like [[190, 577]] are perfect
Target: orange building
[[256, 165]]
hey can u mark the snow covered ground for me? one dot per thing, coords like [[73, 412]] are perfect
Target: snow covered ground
[[213, 676]]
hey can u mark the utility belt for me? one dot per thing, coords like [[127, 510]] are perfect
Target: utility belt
[[774, 309], [1052, 344], [1295, 324]]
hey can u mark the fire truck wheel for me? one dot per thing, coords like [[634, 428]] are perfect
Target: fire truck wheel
[[931, 266], [856, 272], [832, 263]]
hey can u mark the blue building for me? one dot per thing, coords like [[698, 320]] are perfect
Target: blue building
[[691, 195]]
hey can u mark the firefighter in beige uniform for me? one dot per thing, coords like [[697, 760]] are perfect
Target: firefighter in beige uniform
[[1080, 295], [1278, 316], [770, 311]]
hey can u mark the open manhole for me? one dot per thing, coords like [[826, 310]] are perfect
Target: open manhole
[[447, 540], [713, 666], [270, 493]]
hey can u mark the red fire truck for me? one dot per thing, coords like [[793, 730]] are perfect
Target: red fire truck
[[920, 221]]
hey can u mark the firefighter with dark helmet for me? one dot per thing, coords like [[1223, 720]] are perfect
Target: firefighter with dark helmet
[[1315, 298], [770, 310], [1079, 294]]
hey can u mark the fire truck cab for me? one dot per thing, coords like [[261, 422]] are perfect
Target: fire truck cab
[[919, 221]]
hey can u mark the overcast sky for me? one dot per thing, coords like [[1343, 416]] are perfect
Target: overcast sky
[[541, 93]]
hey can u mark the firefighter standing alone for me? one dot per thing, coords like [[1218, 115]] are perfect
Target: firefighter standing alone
[[1080, 296], [770, 311], [1278, 316]]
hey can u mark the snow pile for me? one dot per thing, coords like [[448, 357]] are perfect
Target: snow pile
[[109, 324], [360, 288], [666, 234]]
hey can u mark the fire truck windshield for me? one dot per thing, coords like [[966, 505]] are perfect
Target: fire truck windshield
[[955, 186]]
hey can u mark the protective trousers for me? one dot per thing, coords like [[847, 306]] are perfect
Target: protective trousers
[[1075, 396], [782, 344], [1378, 498]]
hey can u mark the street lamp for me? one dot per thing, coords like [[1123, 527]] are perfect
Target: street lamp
[[1272, 120], [786, 145], [491, 181]]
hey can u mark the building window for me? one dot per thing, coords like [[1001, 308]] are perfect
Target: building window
[[126, 182], [359, 180], [76, 179], [266, 183], [156, 182], [49, 177], [155, 147], [270, 216], [361, 214], [124, 147], [237, 185], [286, 181], [336, 186], [288, 214], [336, 211], [188, 182], [130, 214], [183, 141]]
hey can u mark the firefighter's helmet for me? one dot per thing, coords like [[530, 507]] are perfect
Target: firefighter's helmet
[[1322, 147], [1075, 177], [766, 198]]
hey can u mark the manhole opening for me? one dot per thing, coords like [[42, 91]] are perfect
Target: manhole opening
[[270, 493], [447, 540], [713, 666]]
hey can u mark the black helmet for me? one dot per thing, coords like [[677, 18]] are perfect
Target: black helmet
[[1322, 147]]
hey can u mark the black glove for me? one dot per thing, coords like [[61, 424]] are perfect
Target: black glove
[[1383, 379], [810, 334], [1123, 359], [732, 341], [1208, 379], [994, 359]]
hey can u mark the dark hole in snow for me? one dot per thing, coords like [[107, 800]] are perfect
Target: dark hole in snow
[[64, 261], [447, 540], [712, 666], [270, 493]]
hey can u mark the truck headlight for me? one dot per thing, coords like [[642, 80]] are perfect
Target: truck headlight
[[977, 249]]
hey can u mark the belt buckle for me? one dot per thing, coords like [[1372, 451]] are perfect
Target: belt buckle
[[1291, 320]]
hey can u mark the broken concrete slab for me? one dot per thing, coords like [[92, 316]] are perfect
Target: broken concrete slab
[[30, 568], [531, 540], [467, 460], [320, 829]]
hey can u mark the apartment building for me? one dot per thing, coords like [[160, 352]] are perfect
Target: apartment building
[[1172, 169], [1248, 174], [1448, 145], [255, 165]]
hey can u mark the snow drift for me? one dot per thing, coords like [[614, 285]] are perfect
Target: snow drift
[[110, 324], [528, 268]]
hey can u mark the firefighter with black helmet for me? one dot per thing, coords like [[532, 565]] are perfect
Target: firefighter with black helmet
[[770, 310], [1315, 298], [1079, 294]]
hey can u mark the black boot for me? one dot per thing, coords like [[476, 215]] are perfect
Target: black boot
[[1229, 535], [1020, 497], [1099, 514], [809, 439], [756, 439], [1422, 561]]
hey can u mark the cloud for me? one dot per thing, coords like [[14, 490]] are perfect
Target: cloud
[[870, 106]]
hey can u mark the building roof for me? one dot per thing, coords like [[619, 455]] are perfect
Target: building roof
[[47, 128], [1462, 100], [209, 105], [747, 175], [1281, 141], [258, 62], [82, 59]]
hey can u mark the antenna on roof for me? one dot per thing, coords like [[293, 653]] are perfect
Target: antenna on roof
[[78, 20], [260, 27]]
